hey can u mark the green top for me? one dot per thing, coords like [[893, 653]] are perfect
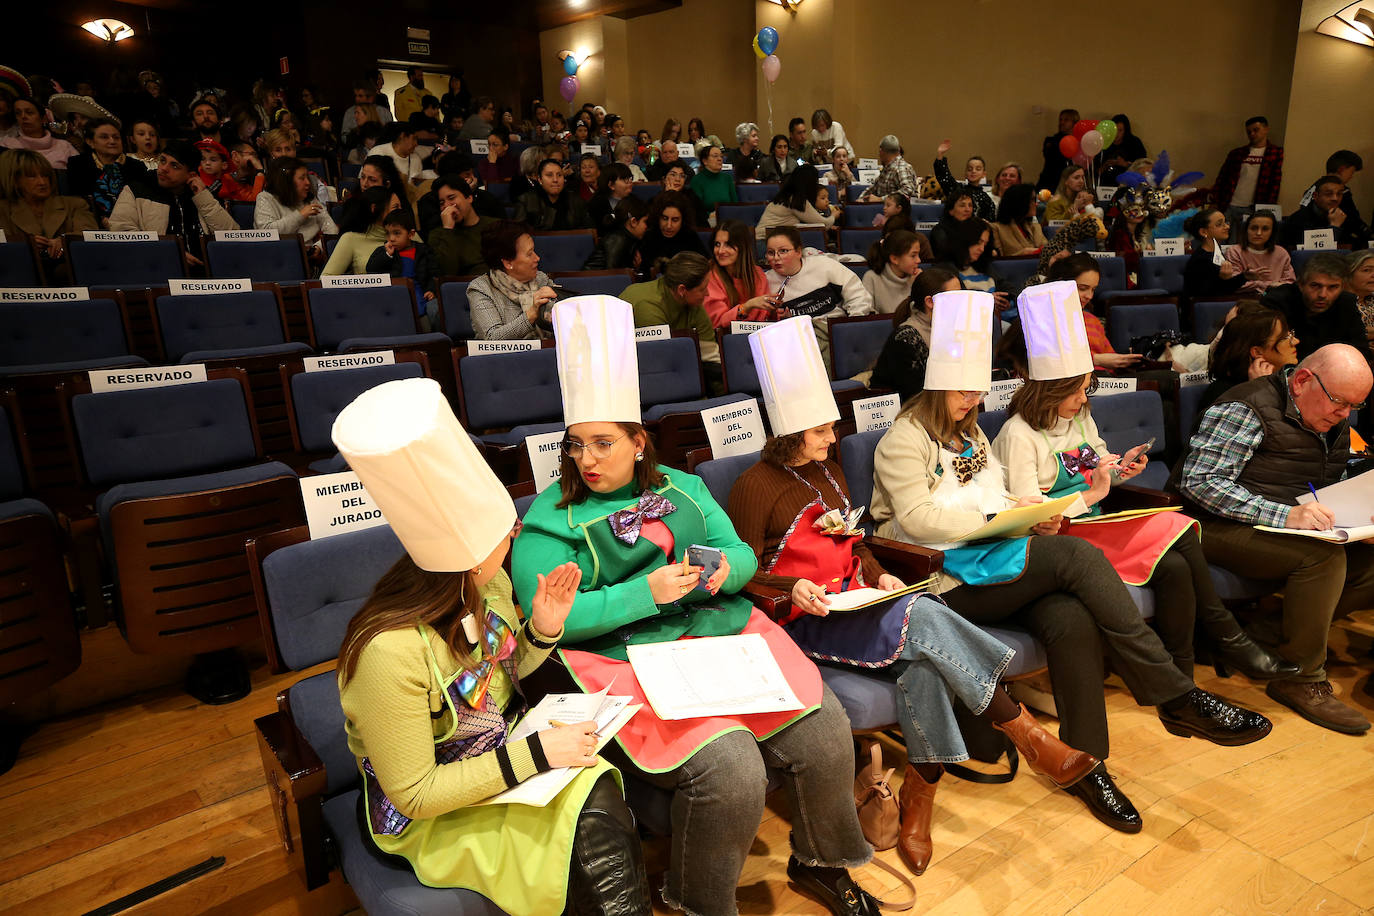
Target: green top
[[614, 607], [655, 304], [715, 188], [458, 251], [353, 250]]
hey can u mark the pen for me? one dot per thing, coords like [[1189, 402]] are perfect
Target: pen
[[1313, 490]]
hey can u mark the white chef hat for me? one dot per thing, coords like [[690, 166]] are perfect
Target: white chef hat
[[425, 474], [796, 389], [960, 342], [598, 369], [1056, 340]]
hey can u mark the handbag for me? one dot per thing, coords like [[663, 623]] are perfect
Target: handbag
[[879, 815]]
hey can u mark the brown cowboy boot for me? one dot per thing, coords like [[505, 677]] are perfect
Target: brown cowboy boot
[[1046, 754], [916, 799]]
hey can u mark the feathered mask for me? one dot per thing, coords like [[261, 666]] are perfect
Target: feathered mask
[[1152, 194]]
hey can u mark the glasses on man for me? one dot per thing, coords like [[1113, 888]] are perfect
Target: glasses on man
[[598, 448], [1339, 403]]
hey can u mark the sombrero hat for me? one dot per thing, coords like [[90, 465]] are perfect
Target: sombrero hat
[[14, 82], [64, 104]]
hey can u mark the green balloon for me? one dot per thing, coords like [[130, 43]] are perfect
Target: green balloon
[[1108, 131]]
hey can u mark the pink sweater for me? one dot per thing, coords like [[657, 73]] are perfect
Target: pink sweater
[[1277, 260], [54, 149]]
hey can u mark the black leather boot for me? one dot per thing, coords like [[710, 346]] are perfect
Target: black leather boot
[[607, 876], [1243, 654]]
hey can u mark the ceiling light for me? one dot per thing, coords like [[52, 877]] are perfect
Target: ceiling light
[[110, 30], [1354, 23]]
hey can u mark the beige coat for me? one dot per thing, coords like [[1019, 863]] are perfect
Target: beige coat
[[1010, 241], [139, 214], [60, 215]]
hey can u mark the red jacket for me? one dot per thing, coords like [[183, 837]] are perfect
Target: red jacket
[[1266, 186]]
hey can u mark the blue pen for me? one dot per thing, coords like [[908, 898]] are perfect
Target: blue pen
[[1313, 491]]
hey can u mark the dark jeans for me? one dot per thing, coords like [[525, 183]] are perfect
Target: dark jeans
[[1072, 600]]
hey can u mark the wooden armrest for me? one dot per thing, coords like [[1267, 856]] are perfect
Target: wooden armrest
[[909, 562], [295, 779], [774, 602], [1125, 496]]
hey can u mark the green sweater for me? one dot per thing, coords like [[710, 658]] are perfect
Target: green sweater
[[715, 188], [614, 606], [654, 303], [458, 251]]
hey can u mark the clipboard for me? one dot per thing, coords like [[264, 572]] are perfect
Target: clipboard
[[1125, 514], [1013, 523]]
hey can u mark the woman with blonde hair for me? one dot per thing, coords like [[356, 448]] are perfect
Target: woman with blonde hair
[[32, 211]]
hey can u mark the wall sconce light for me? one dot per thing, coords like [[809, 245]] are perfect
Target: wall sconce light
[[110, 30], [1354, 23], [790, 5]]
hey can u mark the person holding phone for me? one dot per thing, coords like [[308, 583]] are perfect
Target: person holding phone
[[1051, 447], [736, 288], [793, 509]]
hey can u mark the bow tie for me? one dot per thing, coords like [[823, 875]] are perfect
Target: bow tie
[[627, 522], [965, 466], [498, 644], [1079, 460]]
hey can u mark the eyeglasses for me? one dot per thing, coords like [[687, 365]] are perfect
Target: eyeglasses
[[1340, 403], [779, 252], [600, 449], [971, 397]]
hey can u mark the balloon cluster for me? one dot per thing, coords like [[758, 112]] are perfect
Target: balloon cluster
[[570, 84], [1087, 140], [765, 43]]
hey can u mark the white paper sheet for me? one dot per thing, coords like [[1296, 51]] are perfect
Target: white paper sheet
[[1352, 501], [711, 676]]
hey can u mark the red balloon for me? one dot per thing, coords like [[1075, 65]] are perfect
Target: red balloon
[[1082, 127], [1068, 145]]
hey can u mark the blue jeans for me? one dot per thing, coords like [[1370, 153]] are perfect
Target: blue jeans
[[944, 657]]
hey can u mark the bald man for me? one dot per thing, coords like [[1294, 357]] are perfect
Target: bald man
[[1255, 452]]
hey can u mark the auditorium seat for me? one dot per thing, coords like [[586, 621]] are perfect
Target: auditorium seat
[[926, 211], [124, 265], [1162, 272], [1207, 318], [737, 362], [48, 336], [1112, 270], [746, 212], [316, 398], [218, 326], [857, 241], [763, 191], [1133, 418], [861, 215], [567, 250], [345, 319], [184, 485], [1127, 322], [453, 312], [244, 211], [516, 393], [856, 342], [646, 190], [594, 282], [18, 265], [1012, 274], [1299, 257], [282, 261]]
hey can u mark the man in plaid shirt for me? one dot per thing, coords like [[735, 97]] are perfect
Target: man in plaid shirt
[[897, 176], [1250, 175], [1263, 444]]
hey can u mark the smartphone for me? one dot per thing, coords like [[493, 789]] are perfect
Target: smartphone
[[1142, 450], [708, 558]]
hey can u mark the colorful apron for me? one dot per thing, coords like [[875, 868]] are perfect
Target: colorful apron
[[984, 562], [517, 856], [869, 638], [658, 745], [1133, 546]]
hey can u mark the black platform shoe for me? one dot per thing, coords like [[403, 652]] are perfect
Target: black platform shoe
[[1206, 715], [833, 887], [1106, 802]]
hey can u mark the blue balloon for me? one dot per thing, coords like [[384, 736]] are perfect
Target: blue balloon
[[570, 65], [768, 39]]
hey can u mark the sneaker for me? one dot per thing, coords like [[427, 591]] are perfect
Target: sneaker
[[1316, 703]]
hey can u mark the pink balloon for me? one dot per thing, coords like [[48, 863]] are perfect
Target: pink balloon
[[1091, 143], [568, 88], [1081, 159], [771, 68]]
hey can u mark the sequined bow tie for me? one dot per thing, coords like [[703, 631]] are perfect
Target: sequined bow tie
[[627, 522], [965, 466], [498, 644], [1079, 460]]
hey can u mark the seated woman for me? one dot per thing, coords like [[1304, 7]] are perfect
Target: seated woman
[[287, 206], [965, 251], [901, 363], [430, 679], [779, 507], [672, 130], [1260, 260], [1255, 342], [1008, 176], [796, 203], [827, 134], [1050, 447], [779, 162], [1359, 282], [936, 481], [671, 230], [624, 151], [712, 184], [617, 249], [499, 164], [361, 231], [1082, 270], [527, 174], [746, 154], [627, 523], [1017, 232], [612, 188], [696, 130], [1072, 196], [975, 173], [736, 289], [1208, 272], [98, 174], [551, 206], [1132, 230], [33, 135], [380, 172], [678, 177], [958, 209], [32, 211], [507, 301], [894, 261]]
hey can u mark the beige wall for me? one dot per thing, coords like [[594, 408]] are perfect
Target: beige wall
[[1330, 108]]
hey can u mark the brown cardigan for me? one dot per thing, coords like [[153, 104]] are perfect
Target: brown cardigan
[[1011, 241], [60, 215], [765, 500]]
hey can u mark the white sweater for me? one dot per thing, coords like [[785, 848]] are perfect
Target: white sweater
[[271, 213], [1028, 454], [823, 288]]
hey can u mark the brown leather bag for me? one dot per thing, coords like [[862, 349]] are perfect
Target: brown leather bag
[[879, 815]]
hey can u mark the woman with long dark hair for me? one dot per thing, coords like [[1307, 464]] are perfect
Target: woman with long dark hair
[[551, 205], [737, 289], [671, 230], [1017, 231], [361, 230], [1208, 272], [894, 261], [797, 202]]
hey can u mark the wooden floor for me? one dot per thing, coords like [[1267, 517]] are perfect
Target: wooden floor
[[107, 801]]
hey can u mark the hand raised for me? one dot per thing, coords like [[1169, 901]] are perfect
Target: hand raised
[[553, 598]]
